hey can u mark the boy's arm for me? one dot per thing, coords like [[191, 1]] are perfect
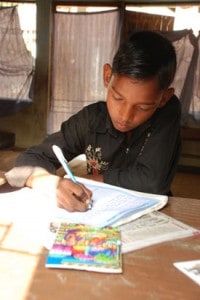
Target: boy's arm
[[71, 196], [36, 167], [35, 159]]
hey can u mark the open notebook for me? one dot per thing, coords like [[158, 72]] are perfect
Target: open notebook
[[112, 205], [33, 212]]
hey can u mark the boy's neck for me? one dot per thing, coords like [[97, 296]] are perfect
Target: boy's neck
[[128, 135]]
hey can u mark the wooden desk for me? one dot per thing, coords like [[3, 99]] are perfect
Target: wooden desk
[[148, 273]]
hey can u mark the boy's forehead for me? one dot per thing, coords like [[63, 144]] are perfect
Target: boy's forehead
[[121, 80], [147, 91]]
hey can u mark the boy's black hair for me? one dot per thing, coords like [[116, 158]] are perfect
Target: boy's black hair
[[146, 55]]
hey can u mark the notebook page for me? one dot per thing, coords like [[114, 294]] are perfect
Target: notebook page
[[110, 204]]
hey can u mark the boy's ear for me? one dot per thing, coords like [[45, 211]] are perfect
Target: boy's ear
[[166, 97], [107, 74]]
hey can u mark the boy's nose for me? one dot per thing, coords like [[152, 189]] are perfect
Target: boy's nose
[[127, 113]]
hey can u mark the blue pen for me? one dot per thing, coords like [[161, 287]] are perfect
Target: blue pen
[[64, 163]]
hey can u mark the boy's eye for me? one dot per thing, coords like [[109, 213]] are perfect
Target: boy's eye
[[144, 108], [117, 97]]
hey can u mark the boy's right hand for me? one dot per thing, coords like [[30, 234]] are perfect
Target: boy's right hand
[[69, 195], [72, 196]]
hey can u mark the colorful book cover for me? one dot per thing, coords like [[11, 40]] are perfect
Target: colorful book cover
[[83, 247]]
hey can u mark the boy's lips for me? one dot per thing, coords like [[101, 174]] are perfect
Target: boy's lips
[[122, 126]]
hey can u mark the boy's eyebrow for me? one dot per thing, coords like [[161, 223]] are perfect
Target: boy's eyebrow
[[148, 103], [116, 91]]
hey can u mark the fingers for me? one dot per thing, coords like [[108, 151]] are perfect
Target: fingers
[[87, 192], [72, 196]]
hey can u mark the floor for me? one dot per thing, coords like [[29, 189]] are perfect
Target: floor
[[185, 184]]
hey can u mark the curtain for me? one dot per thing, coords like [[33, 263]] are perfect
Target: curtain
[[184, 52], [186, 80], [82, 44], [195, 101], [16, 64]]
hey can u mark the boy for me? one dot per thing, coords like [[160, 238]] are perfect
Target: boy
[[132, 140]]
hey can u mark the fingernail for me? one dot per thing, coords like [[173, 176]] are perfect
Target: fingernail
[[89, 204]]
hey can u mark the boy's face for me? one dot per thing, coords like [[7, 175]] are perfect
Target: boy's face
[[131, 102]]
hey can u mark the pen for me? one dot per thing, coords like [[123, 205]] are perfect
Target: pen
[[64, 163]]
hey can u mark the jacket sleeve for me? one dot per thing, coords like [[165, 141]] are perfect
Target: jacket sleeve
[[154, 169]]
